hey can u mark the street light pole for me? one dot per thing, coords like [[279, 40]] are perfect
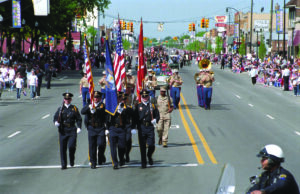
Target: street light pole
[[251, 25], [284, 29]]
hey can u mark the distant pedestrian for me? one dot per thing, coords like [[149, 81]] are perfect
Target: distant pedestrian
[[40, 75], [19, 82], [253, 74], [286, 77], [33, 83], [49, 73]]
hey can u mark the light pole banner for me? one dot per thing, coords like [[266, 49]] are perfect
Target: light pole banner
[[236, 30], [279, 21], [41, 7], [16, 13]]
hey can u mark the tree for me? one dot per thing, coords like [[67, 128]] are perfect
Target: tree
[[126, 44], [242, 48], [219, 45], [200, 34], [262, 48]]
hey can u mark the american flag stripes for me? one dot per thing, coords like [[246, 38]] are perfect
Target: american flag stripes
[[119, 64], [88, 70]]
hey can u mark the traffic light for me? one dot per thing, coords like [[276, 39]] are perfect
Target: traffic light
[[131, 26], [203, 23], [193, 26], [206, 23], [268, 41], [175, 38], [124, 25], [258, 43], [190, 27]]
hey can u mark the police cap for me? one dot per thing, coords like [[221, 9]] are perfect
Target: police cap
[[67, 95], [144, 93], [97, 94]]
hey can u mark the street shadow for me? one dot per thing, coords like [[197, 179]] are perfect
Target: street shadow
[[62, 84], [189, 106], [180, 144], [219, 107]]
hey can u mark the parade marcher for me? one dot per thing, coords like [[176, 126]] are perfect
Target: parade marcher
[[117, 131], [207, 81], [40, 75], [95, 121], [175, 83], [165, 107], [197, 78], [49, 73], [131, 81], [286, 77], [275, 179], [84, 89], [102, 82], [147, 116], [253, 74], [65, 118], [151, 83]]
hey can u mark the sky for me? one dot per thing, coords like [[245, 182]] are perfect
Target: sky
[[176, 14]]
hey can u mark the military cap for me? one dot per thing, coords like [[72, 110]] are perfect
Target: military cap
[[97, 94], [163, 89], [67, 95], [144, 93], [120, 94], [175, 71]]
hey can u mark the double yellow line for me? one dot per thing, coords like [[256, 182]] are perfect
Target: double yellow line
[[188, 130]]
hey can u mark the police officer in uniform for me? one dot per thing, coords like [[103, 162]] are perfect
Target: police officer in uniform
[[165, 107], [95, 121], [65, 118], [275, 179], [175, 82], [147, 116], [117, 130]]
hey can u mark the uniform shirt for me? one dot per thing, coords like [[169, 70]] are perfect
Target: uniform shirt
[[69, 115], [150, 84], [99, 117], [103, 82], [162, 106], [84, 82], [145, 112], [207, 80], [175, 78], [280, 181]]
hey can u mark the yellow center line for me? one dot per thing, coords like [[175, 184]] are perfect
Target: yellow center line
[[188, 131], [208, 150]]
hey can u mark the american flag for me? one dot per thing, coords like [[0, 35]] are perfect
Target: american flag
[[119, 65], [88, 70]]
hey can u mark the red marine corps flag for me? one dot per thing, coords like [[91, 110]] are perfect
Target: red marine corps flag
[[88, 70], [141, 68]]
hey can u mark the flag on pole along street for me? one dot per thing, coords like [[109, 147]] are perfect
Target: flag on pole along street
[[111, 101], [119, 64], [88, 70], [141, 68]]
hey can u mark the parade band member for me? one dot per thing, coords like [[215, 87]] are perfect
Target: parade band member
[[165, 107], [95, 122], [117, 130], [131, 81], [65, 118], [274, 179], [102, 82], [198, 77], [175, 83], [207, 81], [151, 83], [147, 116]]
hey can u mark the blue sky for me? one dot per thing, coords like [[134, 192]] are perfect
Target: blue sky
[[179, 12]]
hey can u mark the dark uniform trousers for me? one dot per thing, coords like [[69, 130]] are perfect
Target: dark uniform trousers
[[279, 181], [144, 115], [68, 132], [96, 132], [128, 128], [117, 137]]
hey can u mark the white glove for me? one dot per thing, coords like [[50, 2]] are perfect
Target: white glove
[[106, 132], [133, 131], [56, 124], [78, 130], [153, 122], [92, 109]]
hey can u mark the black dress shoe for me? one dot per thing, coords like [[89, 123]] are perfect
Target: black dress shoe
[[116, 167], [150, 161], [122, 162], [63, 167], [144, 166], [102, 160], [93, 166], [72, 164], [127, 158]]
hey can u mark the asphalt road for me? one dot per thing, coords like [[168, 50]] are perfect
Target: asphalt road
[[242, 119]]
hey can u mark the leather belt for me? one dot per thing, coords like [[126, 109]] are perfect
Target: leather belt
[[147, 124], [117, 125], [68, 125], [98, 125]]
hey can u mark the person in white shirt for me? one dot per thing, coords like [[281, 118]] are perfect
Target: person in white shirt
[[286, 77], [33, 83], [19, 82], [253, 74], [11, 77]]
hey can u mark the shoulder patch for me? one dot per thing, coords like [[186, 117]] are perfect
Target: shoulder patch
[[282, 176], [153, 105], [75, 108]]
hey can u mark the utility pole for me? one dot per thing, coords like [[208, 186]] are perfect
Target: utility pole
[[251, 25], [284, 29], [271, 25]]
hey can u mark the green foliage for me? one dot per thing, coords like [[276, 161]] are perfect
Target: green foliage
[[219, 45], [242, 48], [200, 34], [262, 48], [195, 46], [209, 46], [126, 44]]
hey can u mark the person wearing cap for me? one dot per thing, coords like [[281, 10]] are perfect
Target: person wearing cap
[[65, 118], [130, 81], [84, 89], [165, 107], [102, 82], [151, 83], [146, 118], [207, 81], [95, 122], [117, 130], [197, 78], [275, 178], [175, 83]]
